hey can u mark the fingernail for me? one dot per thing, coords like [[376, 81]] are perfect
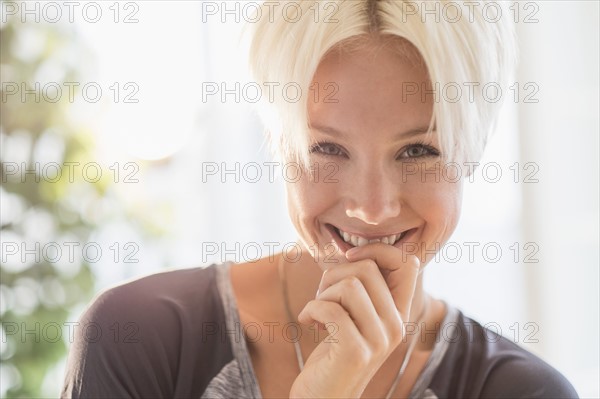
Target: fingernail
[[351, 251]]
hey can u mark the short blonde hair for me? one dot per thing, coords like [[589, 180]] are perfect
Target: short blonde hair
[[469, 47]]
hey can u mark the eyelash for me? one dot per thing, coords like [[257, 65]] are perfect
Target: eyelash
[[317, 147], [432, 151]]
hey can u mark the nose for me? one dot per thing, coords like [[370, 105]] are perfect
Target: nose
[[374, 196]]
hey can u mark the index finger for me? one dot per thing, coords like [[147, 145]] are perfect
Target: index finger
[[400, 270]]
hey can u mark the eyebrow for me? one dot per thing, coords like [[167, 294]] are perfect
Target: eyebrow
[[407, 134]]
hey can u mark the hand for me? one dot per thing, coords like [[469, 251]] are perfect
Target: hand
[[364, 314]]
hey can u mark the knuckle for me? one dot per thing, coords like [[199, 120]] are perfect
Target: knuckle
[[382, 347], [396, 331], [313, 302], [367, 272], [413, 262], [335, 311], [326, 277], [364, 356], [370, 265], [352, 282], [397, 327]]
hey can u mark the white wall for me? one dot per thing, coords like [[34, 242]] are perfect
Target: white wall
[[561, 211]]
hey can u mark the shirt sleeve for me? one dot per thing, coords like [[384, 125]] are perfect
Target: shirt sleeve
[[149, 338], [479, 363], [115, 351], [528, 377]]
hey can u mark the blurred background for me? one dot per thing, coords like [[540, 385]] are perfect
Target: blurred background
[[117, 164]]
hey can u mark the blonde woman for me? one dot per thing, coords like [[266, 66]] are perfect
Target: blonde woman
[[345, 315]]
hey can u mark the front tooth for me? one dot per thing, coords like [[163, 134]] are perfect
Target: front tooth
[[346, 236], [360, 241]]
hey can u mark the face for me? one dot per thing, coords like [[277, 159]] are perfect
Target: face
[[376, 173]]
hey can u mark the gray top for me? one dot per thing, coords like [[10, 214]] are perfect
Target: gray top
[[176, 334], [237, 379]]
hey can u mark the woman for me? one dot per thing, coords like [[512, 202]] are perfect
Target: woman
[[345, 314]]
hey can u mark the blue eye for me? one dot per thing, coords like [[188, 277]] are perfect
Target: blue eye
[[326, 148], [413, 151], [419, 150]]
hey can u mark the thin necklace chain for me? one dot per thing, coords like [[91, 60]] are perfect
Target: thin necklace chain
[[413, 341]]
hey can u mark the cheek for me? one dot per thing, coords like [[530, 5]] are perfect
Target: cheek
[[308, 199], [307, 202], [438, 203]]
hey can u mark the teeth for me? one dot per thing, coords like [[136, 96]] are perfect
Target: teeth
[[360, 241], [346, 236]]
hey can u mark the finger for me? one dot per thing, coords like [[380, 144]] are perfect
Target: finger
[[402, 271], [337, 320], [386, 256], [376, 287], [351, 294]]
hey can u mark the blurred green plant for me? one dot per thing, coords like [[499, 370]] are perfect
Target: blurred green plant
[[37, 295]]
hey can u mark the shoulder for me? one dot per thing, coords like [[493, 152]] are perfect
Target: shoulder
[[149, 336], [168, 294], [157, 305], [480, 362]]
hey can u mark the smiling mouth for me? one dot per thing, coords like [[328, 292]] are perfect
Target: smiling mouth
[[346, 240]]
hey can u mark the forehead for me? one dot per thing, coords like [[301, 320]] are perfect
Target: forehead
[[371, 44], [366, 85]]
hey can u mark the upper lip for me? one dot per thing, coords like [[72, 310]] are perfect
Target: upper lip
[[370, 235]]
